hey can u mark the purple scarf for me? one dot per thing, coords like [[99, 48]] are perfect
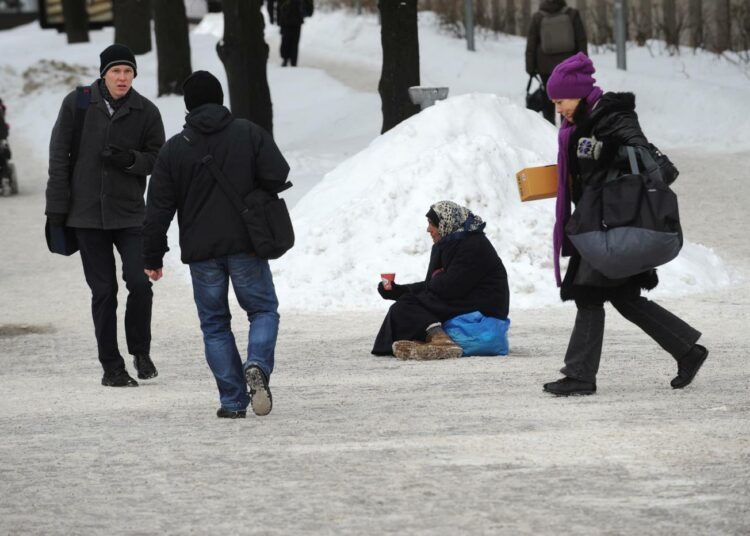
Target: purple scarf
[[562, 208]]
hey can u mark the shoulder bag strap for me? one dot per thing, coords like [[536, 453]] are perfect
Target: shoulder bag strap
[[83, 99], [633, 160]]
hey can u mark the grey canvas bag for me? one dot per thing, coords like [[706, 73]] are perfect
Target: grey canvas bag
[[556, 32]]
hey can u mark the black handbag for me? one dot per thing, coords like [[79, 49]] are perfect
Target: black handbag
[[265, 215], [629, 223], [60, 239], [537, 100]]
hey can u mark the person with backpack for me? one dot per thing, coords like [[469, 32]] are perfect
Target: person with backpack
[[595, 128], [103, 145], [203, 174], [290, 15], [556, 33]]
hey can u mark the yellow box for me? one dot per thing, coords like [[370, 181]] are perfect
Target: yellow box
[[537, 182]]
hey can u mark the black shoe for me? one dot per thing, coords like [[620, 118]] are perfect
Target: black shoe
[[144, 366], [260, 395], [229, 414], [118, 378], [569, 387], [689, 366]]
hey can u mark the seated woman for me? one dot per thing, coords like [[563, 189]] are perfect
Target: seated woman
[[465, 274]]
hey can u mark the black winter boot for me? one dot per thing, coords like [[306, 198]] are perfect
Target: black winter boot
[[223, 413], [118, 378], [260, 394], [688, 366], [144, 366], [570, 387]]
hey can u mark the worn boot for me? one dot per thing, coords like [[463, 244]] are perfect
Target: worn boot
[[688, 366], [570, 387], [438, 346]]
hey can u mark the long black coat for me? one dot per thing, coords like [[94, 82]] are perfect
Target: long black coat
[[463, 276], [614, 123], [99, 195], [210, 225], [536, 60]]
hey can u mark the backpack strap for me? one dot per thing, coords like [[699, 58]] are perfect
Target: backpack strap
[[83, 99]]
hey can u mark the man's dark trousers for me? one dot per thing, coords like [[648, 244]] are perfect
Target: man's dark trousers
[[96, 247], [290, 34]]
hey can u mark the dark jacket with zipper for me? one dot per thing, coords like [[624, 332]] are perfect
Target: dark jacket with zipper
[[97, 195], [464, 275], [614, 123], [537, 62], [210, 225]]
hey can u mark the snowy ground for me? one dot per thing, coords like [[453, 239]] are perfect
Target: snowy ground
[[364, 445]]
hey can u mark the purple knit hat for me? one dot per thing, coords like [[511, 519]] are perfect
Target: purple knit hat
[[572, 79]]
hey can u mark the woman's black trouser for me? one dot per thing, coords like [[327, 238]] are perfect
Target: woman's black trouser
[[96, 246], [585, 347], [407, 320]]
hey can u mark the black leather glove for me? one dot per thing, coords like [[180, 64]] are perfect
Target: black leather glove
[[394, 293], [56, 219], [118, 157]]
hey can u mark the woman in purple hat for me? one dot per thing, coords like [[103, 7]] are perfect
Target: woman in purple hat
[[595, 126]]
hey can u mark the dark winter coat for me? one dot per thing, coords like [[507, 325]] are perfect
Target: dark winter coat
[[3, 124], [614, 123], [464, 275], [210, 225], [99, 195], [537, 62]]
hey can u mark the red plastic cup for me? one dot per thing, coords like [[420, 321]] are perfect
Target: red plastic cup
[[387, 280]]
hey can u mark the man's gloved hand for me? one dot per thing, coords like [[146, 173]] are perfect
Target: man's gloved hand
[[118, 157], [56, 219], [394, 293]]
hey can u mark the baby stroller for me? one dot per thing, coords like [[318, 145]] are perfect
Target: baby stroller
[[8, 180]]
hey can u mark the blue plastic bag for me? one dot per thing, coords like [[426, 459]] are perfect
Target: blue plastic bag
[[477, 334]]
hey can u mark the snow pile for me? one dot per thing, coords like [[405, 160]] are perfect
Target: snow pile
[[368, 215]]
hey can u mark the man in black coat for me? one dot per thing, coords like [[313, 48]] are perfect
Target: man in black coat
[[214, 240], [465, 274], [556, 33], [289, 15], [104, 144]]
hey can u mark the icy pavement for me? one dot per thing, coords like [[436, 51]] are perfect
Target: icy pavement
[[364, 445]]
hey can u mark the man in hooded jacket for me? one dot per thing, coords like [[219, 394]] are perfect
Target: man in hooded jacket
[[543, 62], [214, 240]]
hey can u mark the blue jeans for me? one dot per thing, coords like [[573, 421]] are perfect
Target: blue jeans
[[253, 287]]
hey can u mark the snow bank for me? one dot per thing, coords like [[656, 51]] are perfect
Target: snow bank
[[368, 215]]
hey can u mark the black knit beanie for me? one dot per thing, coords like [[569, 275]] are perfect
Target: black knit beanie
[[116, 55], [202, 87]]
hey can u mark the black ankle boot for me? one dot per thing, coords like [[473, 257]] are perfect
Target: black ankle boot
[[688, 366], [570, 387], [229, 414], [144, 366]]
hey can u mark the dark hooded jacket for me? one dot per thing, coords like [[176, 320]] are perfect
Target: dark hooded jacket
[[95, 194], [210, 225], [614, 123], [537, 62]]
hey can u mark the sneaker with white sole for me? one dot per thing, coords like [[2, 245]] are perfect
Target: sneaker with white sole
[[260, 394]]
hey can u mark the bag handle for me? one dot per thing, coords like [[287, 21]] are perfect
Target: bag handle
[[531, 78]]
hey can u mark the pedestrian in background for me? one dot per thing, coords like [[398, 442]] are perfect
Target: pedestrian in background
[[556, 33], [104, 144], [214, 239], [289, 15], [595, 126]]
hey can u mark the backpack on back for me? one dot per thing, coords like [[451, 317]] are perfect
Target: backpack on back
[[557, 33]]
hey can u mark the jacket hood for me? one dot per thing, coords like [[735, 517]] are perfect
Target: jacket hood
[[552, 6], [616, 102], [209, 118]]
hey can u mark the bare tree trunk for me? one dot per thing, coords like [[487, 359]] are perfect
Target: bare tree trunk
[[496, 19], [510, 17], [645, 27], [399, 38], [695, 21], [723, 29], [602, 23], [670, 23], [172, 45], [525, 16], [76, 21], [133, 24], [244, 53]]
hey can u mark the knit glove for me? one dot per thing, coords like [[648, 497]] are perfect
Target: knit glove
[[56, 219], [118, 157], [589, 148], [394, 293]]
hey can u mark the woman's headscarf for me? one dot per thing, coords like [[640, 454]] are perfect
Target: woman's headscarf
[[450, 218]]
